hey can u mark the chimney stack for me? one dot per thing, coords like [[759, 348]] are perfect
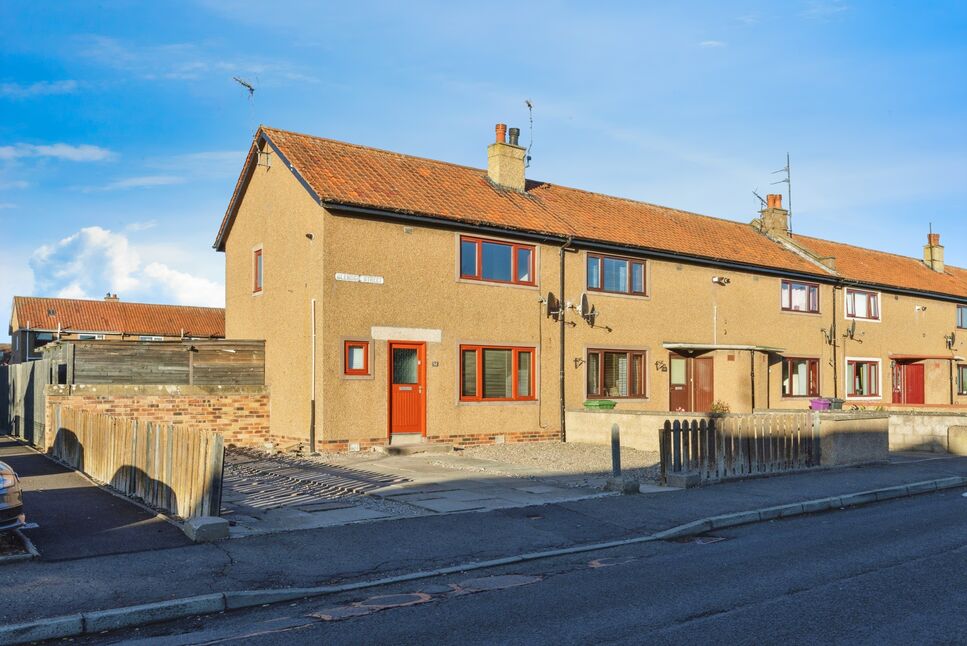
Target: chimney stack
[[505, 161], [775, 219], [110, 297], [933, 253]]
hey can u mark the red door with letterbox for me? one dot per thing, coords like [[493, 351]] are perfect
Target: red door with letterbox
[[407, 388]]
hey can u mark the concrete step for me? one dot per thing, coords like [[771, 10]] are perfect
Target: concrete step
[[411, 449]]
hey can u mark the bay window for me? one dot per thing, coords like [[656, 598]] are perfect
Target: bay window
[[496, 373], [616, 374], [800, 297], [800, 377], [862, 378], [861, 304], [496, 262], [616, 275]]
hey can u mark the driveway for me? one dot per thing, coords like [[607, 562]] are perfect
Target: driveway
[[78, 519]]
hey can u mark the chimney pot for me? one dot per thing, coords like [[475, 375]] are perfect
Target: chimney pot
[[501, 133], [933, 239], [514, 136]]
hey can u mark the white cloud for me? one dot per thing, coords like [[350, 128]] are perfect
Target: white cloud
[[141, 226], [40, 88], [209, 164], [824, 9], [143, 181], [10, 184], [96, 260], [67, 152], [184, 288], [712, 43]]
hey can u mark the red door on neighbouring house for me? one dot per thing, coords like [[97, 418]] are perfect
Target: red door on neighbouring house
[[407, 396], [908, 383], [704, 391]]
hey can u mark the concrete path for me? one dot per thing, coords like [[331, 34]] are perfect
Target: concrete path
[[265, 495], [78, 519], [365, 551]]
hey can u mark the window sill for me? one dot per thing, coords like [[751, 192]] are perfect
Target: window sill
[[497, 402], [638, 297], [862, 320], [784, 311], [359, 377], [495, 283]]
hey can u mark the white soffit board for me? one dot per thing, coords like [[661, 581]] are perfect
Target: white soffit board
[[406, 334]]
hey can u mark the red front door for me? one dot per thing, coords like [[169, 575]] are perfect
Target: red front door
[[407, 396], [908, 383]]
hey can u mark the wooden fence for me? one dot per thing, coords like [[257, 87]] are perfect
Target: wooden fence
[[738, 446], [172, 468], [22, 413], [192, 362]]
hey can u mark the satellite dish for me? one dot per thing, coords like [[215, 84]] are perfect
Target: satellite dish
[[586, 310], [951, 340], [851, 331], [553, 306]]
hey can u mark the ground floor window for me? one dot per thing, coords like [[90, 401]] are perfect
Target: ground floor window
[[800, 377], [356, 358], [862, 378], [496, 373], [616, 374], [962, 379]]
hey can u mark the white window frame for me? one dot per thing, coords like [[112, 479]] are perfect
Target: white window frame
[[879, 304], [879, 377], [148, 337], [90, 337]]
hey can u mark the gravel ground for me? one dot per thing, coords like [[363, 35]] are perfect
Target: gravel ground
[[562, 459]]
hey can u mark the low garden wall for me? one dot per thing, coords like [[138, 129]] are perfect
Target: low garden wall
[[240, 414], [923, 431], [845, 438]]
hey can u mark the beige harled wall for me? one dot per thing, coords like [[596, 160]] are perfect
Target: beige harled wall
[[276, 214], [422, 295]]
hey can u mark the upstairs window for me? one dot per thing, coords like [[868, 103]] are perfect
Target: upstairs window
[[616, 275], [356, 358], [800, 297], [800, 377], [496, 373], [150, 338], [257, 270], [616, 374], [90, 337], [862, 304], [962, 379], [962, 316], [862, 378], [496, 262]]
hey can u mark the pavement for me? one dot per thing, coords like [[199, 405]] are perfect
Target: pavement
[[360, 552], [880, 574], [75, 518], [269, 494]]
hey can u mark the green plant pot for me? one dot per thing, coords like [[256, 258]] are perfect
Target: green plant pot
[[600, 404], [836, 404]]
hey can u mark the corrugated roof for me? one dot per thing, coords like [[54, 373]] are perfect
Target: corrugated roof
[[351, 175], [116, 316]]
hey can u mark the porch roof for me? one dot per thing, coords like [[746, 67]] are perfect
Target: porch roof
[[719, 346], [920, 357]]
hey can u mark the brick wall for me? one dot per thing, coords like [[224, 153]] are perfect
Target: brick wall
[[239, 413]]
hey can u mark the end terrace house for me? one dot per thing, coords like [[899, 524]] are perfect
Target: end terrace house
[[36, 321], [402, 297]]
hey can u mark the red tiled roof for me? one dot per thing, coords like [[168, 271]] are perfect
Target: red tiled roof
[[881, 268], [116, 316], [350, 175]]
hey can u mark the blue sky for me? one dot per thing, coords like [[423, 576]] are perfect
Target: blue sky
[[123, 132]]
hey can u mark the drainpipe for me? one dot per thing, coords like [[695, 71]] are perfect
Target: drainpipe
[[560, 317], [834, 337], [752, 375], [312, 381]]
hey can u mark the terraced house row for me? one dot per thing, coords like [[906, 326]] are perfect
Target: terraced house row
[[402, 297]]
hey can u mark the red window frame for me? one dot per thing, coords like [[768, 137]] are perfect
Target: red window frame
[[813, 376], [478, 364], [642, 381], [874, 379], [364, 371], [962, 379], [872, 304], [258, 270], [787, 307], [631, 262], [962, 317], [514, 249]]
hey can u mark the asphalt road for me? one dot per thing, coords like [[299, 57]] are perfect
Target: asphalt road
[[893, 572]]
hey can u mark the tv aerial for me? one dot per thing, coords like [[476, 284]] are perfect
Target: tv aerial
[[245, 84]]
